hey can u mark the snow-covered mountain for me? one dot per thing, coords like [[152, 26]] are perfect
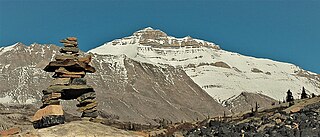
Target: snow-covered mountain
[[222, 74], [151, 75], [127, 90]]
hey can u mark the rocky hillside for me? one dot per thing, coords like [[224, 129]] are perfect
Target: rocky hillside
[[21, 74], [299, 120], [126, 89], [15, 120], [79, 128], [16, 116]]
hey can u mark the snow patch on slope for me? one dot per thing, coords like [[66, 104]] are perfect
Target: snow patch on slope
[[8, 48], [6, 99], [109, 49]]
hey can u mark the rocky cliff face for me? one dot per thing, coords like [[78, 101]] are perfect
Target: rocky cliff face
[[157, 38], [126, 89], [21, 74]]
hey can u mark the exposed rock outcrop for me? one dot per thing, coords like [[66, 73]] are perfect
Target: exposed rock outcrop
[[157, 38], [274, 123], [221, 64], [79, 128], [255, 70]]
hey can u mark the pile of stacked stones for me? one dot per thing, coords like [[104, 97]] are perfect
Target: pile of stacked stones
[[69, 83]]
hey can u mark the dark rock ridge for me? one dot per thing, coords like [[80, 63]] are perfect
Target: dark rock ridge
[[270, 123], [157, 38], [126, 89]]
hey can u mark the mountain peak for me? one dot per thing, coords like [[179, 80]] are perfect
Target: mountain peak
[[149, 33], [11, 47], [157, 38], [148, 28]]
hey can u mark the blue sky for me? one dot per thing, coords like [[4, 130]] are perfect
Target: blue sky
[[282, 30]]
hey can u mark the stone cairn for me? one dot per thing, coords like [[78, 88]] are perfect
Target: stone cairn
[[69, 83]]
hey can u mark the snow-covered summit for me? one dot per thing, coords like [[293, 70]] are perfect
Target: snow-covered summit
[[153, 38], [20, 46], [220, 73]]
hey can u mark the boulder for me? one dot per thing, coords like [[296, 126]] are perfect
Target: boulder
[[64, 41], [69, 65], [90, 110], [62, 88], [11, 131], [69, 76], [72, 38], [69, 45], [79, 81], [50, 102], [50, 110], [279, 116], [89, 95], [65, 57], [69, 49], [255, 70], [48, 121], [52, 96], [62, 70], [295, 109], [86, 59], [87, 101], [92, 114], [61, 81], [68, 41], [278, 121], [262, 128], [70, 91], [88, 106]]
